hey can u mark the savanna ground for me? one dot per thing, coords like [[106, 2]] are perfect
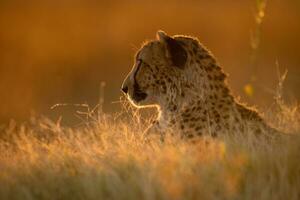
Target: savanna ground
[[107, 157]]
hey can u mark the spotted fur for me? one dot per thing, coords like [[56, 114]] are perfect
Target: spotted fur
[[183, 80]]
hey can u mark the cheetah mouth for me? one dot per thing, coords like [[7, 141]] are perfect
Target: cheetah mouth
[[139, 95]]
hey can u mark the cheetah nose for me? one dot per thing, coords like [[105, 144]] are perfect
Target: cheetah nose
[[125, 89]]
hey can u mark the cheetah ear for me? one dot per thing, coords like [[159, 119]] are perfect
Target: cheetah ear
[[175, 51]]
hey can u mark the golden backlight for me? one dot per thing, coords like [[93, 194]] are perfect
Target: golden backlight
[[65, 133], [60, 51]]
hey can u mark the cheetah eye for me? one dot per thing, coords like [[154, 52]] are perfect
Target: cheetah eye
[[140, 62]]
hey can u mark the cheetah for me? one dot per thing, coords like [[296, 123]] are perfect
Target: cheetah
[[183, 80]]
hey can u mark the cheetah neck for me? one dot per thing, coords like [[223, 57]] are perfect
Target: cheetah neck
[[194, 102]]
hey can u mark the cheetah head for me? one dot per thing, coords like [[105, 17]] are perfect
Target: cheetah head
[[158, 65]]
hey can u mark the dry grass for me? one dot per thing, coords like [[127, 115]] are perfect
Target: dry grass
[[108, 158]]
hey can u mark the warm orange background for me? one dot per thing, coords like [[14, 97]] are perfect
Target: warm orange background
[[59, 51]]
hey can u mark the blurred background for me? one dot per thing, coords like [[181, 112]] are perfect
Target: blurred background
[[60, 51]]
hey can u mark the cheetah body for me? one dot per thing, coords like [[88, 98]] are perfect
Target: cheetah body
[[183, 80]]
